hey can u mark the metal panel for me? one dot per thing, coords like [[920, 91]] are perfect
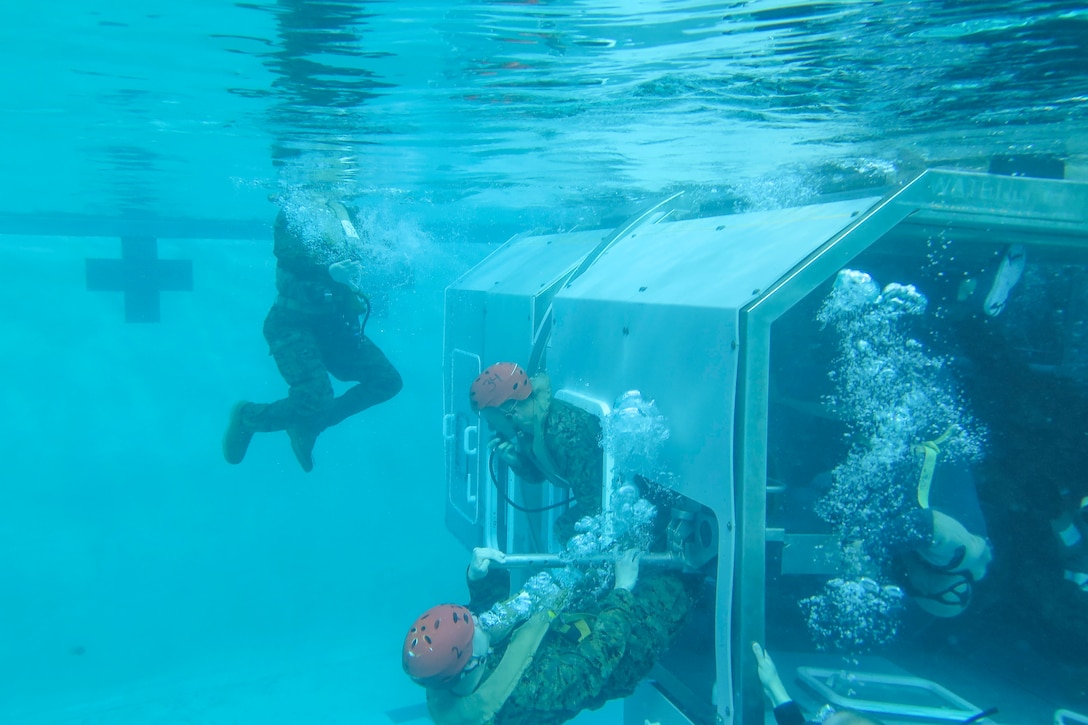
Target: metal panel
[[721, 262], [464, 332], [491, 314], [1047, 207], [529, 265], [461, 433], [684, 358], [480, 329]]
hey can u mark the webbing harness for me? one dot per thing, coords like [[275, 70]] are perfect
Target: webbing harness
[[929, 451]]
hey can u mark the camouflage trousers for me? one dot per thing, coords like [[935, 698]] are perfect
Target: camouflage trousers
[[308, 349]]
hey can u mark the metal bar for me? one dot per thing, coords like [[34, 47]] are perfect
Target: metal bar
[[555, 561]]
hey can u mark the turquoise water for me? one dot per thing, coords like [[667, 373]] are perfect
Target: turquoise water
[[554, 111], [144, 580]]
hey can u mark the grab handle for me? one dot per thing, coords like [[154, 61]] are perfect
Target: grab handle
[[470, 440]]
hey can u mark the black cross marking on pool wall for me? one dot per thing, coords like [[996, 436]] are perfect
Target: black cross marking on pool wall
[[141, 275]]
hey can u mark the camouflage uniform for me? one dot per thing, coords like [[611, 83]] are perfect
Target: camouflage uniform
[[572, 438], [628, 632], [313, 330]]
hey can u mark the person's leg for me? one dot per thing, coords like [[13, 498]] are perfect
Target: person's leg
[[237, 437], [359, 359], [295, 348]]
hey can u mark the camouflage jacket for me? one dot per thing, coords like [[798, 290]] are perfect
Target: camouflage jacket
[[627, 633], [302, 270], [572, 438]]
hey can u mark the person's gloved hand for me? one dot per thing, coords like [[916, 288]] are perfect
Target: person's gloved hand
[[506, 450], [768, 675], [348, 272], [482, 556], [626, 566]]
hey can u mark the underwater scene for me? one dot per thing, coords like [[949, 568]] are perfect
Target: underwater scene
[[524, 362]]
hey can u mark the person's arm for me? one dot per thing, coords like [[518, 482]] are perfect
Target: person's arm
[[486, 586], [789, 713], [768, 675], [522, 466], [527, 470], [786, 711], [568, 680], [572, 437]]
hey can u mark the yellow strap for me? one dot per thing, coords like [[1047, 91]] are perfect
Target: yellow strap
[[574, 622], [929, 451], [583, 627]]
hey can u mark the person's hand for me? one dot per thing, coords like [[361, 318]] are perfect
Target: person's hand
[[768, 675], [505, 450], [482, 556], [347, 272], [626, 567]]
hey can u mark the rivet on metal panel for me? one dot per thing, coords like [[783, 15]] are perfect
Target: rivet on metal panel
[[729, 525], [756, 291], [732, 344]]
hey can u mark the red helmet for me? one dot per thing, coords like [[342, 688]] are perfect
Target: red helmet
[[439, 645], [497, 384]]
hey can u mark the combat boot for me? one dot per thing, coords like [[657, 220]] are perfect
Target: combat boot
[[236, 439], [303, 437]]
